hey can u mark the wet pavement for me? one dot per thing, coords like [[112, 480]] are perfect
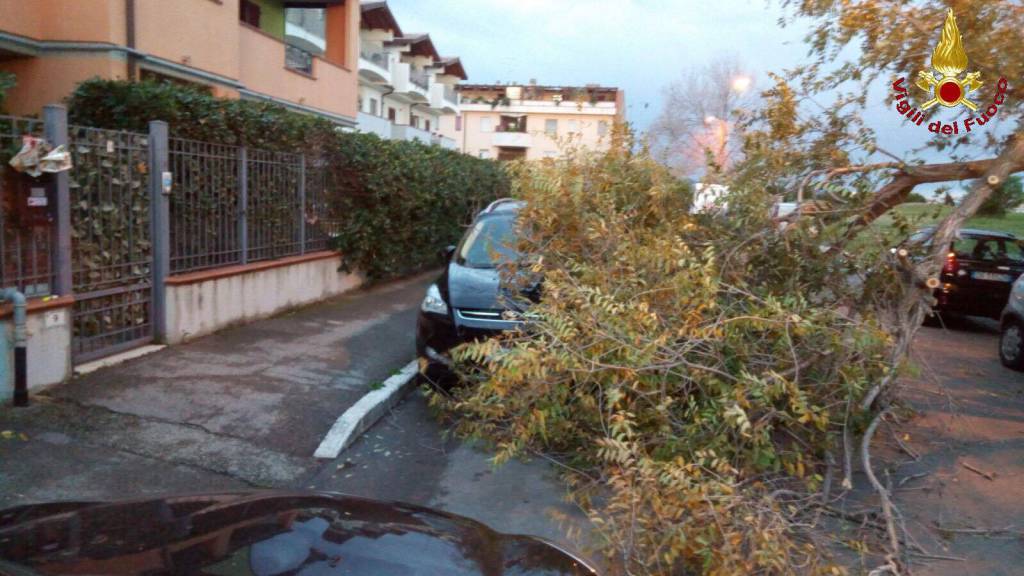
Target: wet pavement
[[958, 478], [247, 407]]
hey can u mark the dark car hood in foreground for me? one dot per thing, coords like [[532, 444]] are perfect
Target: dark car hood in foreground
[[473, 288], [265, 534]]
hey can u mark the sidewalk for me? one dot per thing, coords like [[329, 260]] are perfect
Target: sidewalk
[[245, 407]]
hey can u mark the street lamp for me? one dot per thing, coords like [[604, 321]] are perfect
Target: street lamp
[[741, 83]]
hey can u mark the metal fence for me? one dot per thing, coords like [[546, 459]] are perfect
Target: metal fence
[[274, 208], [317, 226], [111, 248], [204, 205], [111, 230], [25, 248], [232, 205]]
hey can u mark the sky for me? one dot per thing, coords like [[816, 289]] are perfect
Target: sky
[[640, 46], [637, 45]]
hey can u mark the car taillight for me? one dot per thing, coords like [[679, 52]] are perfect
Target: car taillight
[[951, 265]]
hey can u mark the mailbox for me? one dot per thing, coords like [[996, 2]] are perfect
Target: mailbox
[[28, 202]]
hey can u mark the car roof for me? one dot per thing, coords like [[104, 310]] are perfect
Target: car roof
[[503, 205]]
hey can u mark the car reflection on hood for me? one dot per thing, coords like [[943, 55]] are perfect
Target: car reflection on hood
[[265, 534]]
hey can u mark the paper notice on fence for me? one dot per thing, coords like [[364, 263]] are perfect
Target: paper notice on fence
[[27, 159], [36, 157], [58, 160]]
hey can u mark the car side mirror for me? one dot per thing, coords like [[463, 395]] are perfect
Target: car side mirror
[[449, 252]]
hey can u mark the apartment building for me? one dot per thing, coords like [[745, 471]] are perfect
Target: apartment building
[[407, 90], [301, 54], [512, 122]]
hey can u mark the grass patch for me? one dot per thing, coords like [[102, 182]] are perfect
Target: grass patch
[[922, 215]]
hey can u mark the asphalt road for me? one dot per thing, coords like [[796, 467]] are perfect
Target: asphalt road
[[246, 408], [410, 457]]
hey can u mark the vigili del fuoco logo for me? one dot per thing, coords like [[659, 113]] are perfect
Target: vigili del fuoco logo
[[946, 87]]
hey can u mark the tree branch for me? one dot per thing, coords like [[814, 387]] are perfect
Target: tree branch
[[896, 191]]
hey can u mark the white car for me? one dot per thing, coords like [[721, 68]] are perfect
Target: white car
[[1011, 324]]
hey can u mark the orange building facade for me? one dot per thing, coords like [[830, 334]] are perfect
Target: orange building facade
[[300, 54]]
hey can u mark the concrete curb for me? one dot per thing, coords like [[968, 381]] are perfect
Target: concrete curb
[[365, 413], [114, 360]]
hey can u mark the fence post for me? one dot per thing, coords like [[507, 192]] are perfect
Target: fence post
[[302, 204], [159, 222], [56, 132], [243, 204]]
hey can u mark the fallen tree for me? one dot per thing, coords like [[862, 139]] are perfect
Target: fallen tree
[[697, 374]]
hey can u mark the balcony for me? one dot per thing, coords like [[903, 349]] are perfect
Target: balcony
[[410, 133], [302, 80], [512, 139], [444, 98], [375, 66], [445, 142], [402, 81], [420, 78], [451, 94], [374, 125]]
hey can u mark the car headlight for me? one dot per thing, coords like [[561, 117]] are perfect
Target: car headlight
[[433, 302]]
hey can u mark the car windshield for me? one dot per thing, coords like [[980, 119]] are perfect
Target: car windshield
[[490, 240]]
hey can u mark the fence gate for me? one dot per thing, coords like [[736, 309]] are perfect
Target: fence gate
[[112, 249]]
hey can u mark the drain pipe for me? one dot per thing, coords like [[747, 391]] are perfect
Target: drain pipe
[[20, 343], [129, 33]]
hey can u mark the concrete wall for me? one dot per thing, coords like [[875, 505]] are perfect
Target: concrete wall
[[79, 20], [49, 350], [200, 40], [331, 88], [202, 303], [200, 34], [44, 81]]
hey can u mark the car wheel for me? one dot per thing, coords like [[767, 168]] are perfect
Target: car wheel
[[1011, 345]]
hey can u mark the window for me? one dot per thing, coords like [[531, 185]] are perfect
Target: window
[[485, 153], [426, 125], [551, 127], [602, 128], [415, 122], [249, 12], [307, 25], [297, 59], [458, 123], [574, 126], [987, 249], [392, 114], [490, 242], [486, 124], [373, 106], [1015, 251]]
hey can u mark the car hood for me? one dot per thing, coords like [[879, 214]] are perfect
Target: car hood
[[263, 534], [483, 289], [473, 288]]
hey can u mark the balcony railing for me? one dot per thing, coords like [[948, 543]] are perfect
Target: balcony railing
[[297, 59], [379, 58], [420, 78], [450, 94]]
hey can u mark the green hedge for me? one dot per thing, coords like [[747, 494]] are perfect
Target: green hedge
[[398, 203]]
